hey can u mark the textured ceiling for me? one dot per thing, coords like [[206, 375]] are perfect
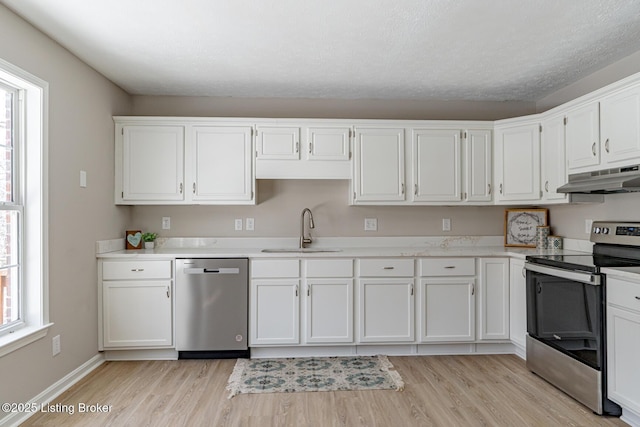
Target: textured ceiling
[[391, 49]]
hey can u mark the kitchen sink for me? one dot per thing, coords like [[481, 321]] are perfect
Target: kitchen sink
[[300, 250]]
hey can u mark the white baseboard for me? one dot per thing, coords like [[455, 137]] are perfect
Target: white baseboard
[[630, 417], [55, 390]]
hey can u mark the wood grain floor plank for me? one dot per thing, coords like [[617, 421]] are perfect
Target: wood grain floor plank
[[477, 390]]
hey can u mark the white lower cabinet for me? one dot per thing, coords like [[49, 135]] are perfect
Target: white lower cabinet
[[518, 304], [493, 303], [275, 310], [329, 311], [447, 299], [386, 310], [623, 343], [136, 307]]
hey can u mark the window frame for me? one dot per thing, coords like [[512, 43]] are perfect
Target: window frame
[[30, 169]]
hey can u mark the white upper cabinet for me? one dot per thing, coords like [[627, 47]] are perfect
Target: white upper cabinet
[[517, 162], [221, 164], [553, 167], [620, 128], [177, 161], [328, 143], [478, 163], [278, 143], [310, 150], [583, 138], [379, 174], [149, 163], [436, 165]]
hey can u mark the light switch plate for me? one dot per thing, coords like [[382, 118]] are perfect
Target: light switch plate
[[249, 224], [588, 223], [446, 224], [371, 224], [166, 222], [238, 224], [83, 179]]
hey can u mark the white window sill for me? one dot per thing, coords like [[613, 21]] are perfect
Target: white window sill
[[22, 337]]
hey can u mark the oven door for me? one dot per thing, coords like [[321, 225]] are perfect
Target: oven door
[[565, 311]]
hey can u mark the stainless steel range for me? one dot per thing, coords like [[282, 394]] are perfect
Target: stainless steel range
[[566, 300]]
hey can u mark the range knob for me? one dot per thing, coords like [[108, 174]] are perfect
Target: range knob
[[596, 230], [605, 230]]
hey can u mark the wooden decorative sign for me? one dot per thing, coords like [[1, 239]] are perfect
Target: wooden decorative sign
[[520, 226], [133, 239]]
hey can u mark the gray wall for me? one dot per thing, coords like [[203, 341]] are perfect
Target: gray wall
[[81, 105]]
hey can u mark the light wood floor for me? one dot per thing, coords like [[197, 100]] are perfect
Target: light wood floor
[[439, 391]]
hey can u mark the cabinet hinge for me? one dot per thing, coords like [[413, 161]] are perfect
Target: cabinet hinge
[[540, 127], [354, 196], [465, 135], [565, 121], [122, 194], [121, 131]]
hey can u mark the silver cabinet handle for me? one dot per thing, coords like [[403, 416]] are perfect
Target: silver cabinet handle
[[637, 297], [388, 268], [168, 293], [402, 189], [415, 189], [450, 266], [308, 290], [194, 188], [297, 146], [310, 147], [501, 188], [546, 186], [606, 145], [137, 269], [412, 289], [593, 148], [180, 188], [296, 290], [489, 189], [473, 289], [524, 272]]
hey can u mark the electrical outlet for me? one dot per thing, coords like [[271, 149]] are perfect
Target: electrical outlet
[[588, 224], [249, 224], [166, 222], [56, 345], [83, 179], [238, 224], [446, 224], [371, 224]]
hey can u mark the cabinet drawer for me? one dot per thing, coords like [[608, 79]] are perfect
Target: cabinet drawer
[[447, 267], [329, 268], [127, 270], [275, 268], [386, 268], [623, 293]]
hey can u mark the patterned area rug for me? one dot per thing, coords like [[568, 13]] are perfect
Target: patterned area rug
[[313, 374]]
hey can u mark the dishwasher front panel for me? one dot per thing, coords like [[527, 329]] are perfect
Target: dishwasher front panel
[[212, 298]]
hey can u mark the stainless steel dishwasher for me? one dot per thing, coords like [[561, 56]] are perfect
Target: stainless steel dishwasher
[[212, 298]]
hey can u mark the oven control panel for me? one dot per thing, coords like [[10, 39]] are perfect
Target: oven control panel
[[619, 233]]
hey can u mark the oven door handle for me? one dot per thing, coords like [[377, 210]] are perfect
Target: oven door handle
[[589, 279]]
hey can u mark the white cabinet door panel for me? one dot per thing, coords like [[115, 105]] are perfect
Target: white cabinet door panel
[[478, 166], [448, 309], [620, 128], [493, 292], [623, 348], [278, 143], [328, 143], [152, 165], [386, 310], [329, 306], [583, 138], [517, 303], [554, 171], [274, 312], [518, 163], [379, 165], [436, 164]]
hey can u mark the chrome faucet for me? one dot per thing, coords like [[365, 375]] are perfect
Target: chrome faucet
[[305, 240]]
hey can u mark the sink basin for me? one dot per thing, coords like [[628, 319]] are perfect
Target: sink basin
[[300, 250]]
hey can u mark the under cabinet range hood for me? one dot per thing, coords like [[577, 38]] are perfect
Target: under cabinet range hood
[[607, 181]]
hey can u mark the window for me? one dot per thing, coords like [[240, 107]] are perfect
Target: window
[[11, 211], [24, 315]]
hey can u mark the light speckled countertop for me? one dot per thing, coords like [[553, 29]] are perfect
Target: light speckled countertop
[[363, 247]]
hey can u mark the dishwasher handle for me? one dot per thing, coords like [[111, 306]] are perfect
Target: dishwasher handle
[[222, 270]]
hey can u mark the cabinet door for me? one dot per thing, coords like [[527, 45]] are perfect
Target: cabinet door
[[386, 310], [221, 163], [328, 143], [137, 314], [379, 165], [623, 348], [620, 127], [274, 312], [517, 304], [493, 292], [554, 171], [329, 310], [518, 163], [278, 143], [436, 165], [478, 166], [152, 163], [583, 138], [448, 309]]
